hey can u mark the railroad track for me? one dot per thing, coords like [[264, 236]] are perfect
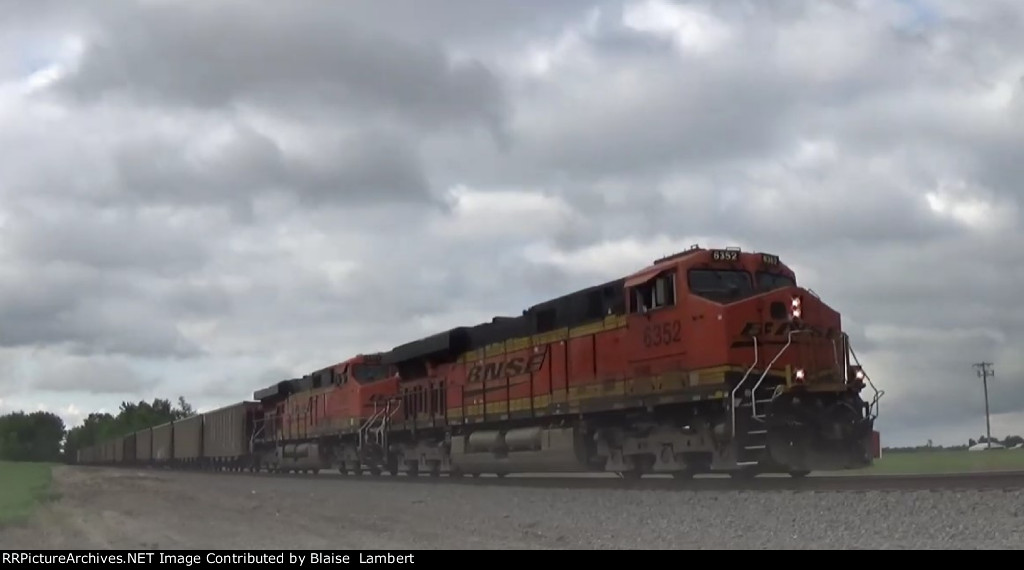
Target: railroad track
[[993, 481]]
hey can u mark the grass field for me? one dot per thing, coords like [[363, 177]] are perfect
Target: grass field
[[24, 486], [947, 461]]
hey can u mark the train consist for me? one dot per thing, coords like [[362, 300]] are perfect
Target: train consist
[[705, 361]]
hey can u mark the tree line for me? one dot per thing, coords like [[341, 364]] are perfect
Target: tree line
[[43, 436]]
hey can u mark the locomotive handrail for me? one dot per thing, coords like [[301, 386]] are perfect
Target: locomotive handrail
[[874, 408], [732, 395], [753, 391], [398, 404], [366, 425], [378, 422], [835, 359]]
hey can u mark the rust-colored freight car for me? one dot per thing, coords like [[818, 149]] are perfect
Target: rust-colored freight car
[[163, 444], [226, 435], [118, 449], [188, 440], [144, 446]]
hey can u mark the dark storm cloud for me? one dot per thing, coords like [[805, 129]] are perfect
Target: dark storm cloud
[[84, 310], [361, 168], [213, 56], [109, 240], [105, 376], [482, 21]]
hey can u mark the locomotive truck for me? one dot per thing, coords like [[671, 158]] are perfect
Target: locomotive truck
[[709, 360]]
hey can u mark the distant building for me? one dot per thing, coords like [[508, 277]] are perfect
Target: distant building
[[984, 446]]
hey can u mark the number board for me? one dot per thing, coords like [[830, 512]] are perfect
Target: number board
[[725, 255], [663, 334], [769, 259]]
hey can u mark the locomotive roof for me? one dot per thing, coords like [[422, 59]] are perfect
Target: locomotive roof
[[584, 305]]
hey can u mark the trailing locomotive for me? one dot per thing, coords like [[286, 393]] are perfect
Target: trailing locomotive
[[704, 361]]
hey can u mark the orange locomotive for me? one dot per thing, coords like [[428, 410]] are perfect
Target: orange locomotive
[[304, 424], [707, 360]]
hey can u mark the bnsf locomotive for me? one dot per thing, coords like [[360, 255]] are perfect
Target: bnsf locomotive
[[705, 361]]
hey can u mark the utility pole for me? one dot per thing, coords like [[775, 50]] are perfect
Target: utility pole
[[984, 371]]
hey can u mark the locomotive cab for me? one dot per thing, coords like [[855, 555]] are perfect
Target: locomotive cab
[[739, 323]]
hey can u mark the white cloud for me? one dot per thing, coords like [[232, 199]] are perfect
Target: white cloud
[[691, 27]]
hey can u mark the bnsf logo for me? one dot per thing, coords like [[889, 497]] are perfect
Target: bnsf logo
[[506, 368], [776, 332], [782, 329]]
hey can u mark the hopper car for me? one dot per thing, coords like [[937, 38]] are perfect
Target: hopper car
[[708, 360]]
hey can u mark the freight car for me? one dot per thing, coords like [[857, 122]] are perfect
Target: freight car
[[215, 440], [187, 442], [227, 437], [163, 445], [704, 361]]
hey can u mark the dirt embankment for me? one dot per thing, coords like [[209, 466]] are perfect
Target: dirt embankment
[[150, 509]]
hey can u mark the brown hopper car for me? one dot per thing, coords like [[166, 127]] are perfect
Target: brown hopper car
[[226, 434], [188, 440], [144, 446], [163, 444]]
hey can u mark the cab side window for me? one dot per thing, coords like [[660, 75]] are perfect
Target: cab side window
[[654, 294]]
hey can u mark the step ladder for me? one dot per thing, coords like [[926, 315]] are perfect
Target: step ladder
[[749, 401], [373, 434], [751, 435]]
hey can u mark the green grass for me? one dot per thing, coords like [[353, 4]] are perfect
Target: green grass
[[947, 461], [23, 486]]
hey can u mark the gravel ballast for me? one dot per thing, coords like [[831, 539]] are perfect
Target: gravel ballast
[[128, 508]]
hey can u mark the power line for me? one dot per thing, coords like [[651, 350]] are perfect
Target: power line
[[984, 371]]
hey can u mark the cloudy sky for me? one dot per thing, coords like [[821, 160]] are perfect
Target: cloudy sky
[[202, 198]]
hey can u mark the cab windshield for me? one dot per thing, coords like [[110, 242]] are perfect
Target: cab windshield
[[772, 281], [364, 373], [727, 286], [720, 285]]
